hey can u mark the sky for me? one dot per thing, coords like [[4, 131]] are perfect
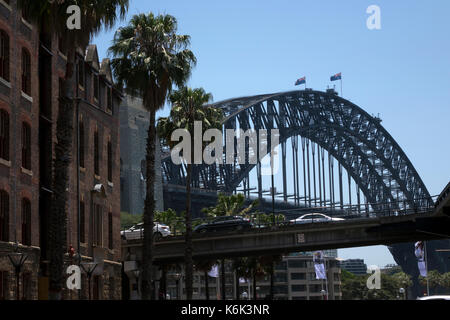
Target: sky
[[400, 72]]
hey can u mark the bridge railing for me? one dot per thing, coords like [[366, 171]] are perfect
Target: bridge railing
[[346, 212]]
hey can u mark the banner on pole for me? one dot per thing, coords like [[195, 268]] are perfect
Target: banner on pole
[[319, 265], [420, 255]]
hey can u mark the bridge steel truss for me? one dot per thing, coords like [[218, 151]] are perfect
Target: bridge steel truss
[[358, 141]]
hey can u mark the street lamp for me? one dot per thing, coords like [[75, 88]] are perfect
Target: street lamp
[[136, 275], [17, 260], [89, 268], [177, 277], [402, 292]]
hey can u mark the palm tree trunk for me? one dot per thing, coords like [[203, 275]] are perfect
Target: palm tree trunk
[[206, 285], [58, 216], [236, 282], [255, 297], [149, 211], [271, 280], [188, 235]]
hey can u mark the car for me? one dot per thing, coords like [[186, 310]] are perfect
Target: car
[[225, 223], [437, 297], [314, 217], [137, 231]]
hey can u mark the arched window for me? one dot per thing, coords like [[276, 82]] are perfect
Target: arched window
[[26, 222], [96, 154], [110, 159], [26, 72], [26, 146], [4, 135], [4, 55], [82, 144], [4, 216]]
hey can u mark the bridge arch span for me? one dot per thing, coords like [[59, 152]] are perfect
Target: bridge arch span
[[358, 141]]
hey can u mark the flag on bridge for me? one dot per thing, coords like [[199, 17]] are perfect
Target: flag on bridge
[[300, 81], [337, 76], [214, 272], [319, 265], [420, 255]]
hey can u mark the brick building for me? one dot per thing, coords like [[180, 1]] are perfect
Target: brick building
[[31, 68]]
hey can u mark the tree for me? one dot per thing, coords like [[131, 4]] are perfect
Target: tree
[[434, 279], [188, 106], [403, 280], [232, 205], [149, 59], [51, 18], [128, 220], [445, 280]]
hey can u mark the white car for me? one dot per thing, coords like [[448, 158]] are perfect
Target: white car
[[434, 298], [137, 231], [314, 217]]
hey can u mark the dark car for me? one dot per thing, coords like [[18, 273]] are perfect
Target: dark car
[[225, 224]]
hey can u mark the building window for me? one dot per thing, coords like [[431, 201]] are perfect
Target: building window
[[26, 222], [96, 154], [26, 146], [4, 55], [25, 14], [109, 161], [298, 288], [96, 288], [98, 225], [81, 73], [82, 222], [26, 72], [109, 103], [110, 230], [96, 87], [3, 285], [4, 216], [298, 276], [4, 135], [81, 152], [26, 286]]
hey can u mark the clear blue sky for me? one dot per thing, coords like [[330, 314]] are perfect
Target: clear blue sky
[[401, 72]]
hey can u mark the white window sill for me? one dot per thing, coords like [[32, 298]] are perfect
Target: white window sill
[[6, 83], [27, 97], [25, 22], [6, 5], [27, 172]]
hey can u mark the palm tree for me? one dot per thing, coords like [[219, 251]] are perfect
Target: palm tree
[[149, 59], [231, 205], [188, 106], [51, 18]]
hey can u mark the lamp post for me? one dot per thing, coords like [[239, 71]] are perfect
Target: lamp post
[[17, 260], [89, 268], [177, 277], [136, 275], [402, 292]]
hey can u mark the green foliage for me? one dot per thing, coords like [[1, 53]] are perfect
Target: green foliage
[[264, 219], [232, 205], [128, 220], [354, 287]]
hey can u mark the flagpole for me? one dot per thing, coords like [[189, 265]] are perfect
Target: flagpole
[[326, 278], [426, 266], [341, 87]]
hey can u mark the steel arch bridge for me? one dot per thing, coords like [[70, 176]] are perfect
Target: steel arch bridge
[[368, 153]]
